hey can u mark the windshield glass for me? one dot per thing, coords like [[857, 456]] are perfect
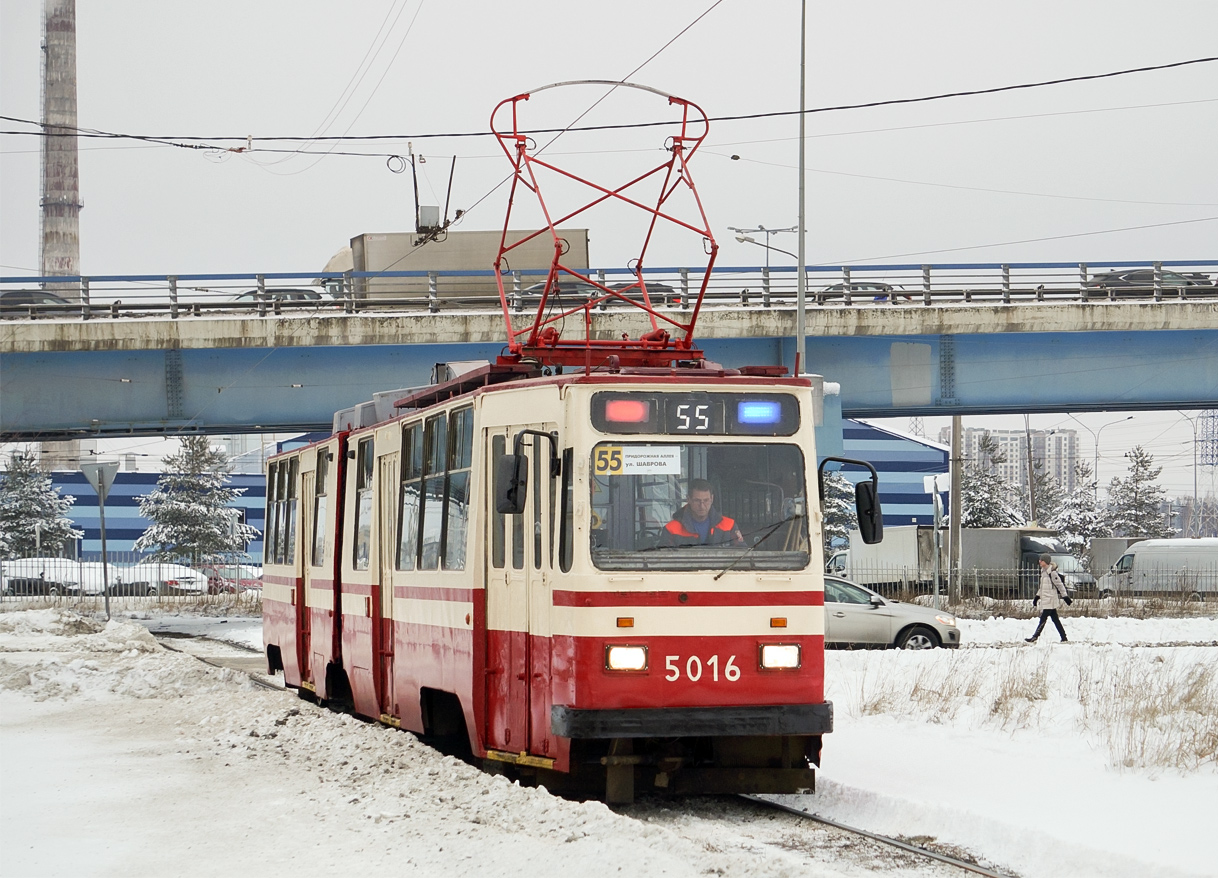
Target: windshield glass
[[1068, 564], [698, 507]]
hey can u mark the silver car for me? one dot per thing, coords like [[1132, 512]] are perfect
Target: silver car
[[859, 617]]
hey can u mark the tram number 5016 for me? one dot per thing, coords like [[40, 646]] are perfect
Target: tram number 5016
[[694, 668]]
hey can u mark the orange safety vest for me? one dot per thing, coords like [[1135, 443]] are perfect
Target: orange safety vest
[[677, 533]]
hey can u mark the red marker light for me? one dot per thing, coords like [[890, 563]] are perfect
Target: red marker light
[[627, 411]]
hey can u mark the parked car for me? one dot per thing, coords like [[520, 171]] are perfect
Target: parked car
[[155, 578], [859, 617], [19, 302], [1141, 282], [231, 578], [39, 576]]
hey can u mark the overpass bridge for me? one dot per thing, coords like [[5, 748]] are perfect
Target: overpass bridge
[[148, 355]]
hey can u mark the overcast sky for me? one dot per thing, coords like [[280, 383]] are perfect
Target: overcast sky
[[965, 179]]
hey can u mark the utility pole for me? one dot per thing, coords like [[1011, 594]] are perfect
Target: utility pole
[[1027, 432], [956, 464], [59, 243]]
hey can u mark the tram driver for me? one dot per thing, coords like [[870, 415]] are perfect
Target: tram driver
[[699, 523]]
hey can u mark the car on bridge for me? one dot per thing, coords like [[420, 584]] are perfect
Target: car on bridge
[[1140, 282], [30, 303], [877, 290], [292, 297]]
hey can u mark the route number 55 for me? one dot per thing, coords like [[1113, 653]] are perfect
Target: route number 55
[[608, 460]]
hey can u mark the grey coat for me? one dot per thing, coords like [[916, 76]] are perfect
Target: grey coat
[[1052, 589]]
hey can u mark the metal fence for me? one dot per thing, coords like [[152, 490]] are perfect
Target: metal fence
[[263, 294], [130, 578], [1199, 582]]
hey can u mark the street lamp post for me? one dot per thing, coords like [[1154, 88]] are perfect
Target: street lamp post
[[1096, 435], [1194, 520], [746, 239], [742, 235]]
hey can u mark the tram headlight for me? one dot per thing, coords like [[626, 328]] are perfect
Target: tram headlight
[[779, 655], [626, 658]]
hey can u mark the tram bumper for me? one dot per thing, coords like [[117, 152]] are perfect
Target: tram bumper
[[683, 722]]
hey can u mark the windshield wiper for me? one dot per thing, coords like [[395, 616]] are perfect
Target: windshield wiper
[[773, 530]]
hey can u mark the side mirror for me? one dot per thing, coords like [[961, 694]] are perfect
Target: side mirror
[[511, 484], [877, 601], [867, 506], [866, 499]]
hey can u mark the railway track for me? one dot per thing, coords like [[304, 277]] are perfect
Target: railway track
[[917, 850]]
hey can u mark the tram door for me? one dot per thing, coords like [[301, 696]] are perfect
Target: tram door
[[304, 601], [517, 605], [387, 489]]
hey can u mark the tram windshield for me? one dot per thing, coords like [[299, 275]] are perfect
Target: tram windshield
[[697, 507]]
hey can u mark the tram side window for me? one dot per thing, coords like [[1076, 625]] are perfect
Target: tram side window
[[408, 502], [272, 524], [460, 460], [320, 507], [498, 519], [518, 535], [435, 446], [290, 510], [363, 505]]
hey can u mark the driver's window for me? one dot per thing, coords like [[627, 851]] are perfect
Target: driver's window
[[1125, 564]]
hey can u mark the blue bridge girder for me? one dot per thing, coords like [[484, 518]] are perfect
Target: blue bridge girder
[[229, 370]]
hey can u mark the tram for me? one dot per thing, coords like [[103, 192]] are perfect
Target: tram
[[598, 566]]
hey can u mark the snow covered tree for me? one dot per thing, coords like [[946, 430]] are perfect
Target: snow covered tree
[[840, 514], [1135, 503], [33, 514], [1049, 494], [986, 499], [1077, 519], [189, 508]]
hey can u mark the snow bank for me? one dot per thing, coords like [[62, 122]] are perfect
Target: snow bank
[[140, 669]]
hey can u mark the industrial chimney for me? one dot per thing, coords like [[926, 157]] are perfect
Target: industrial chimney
[[60, 203]]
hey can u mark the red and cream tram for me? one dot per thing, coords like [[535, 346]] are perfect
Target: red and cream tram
[[604, 578]]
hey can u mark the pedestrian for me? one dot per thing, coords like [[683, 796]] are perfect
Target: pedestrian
[[1051, 594]]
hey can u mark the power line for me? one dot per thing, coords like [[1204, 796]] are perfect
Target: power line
[[196, 142]]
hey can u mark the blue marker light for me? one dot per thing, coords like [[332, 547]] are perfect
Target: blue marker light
[[758, 411]]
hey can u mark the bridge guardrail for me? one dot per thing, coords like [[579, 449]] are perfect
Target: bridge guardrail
[[276, 293]]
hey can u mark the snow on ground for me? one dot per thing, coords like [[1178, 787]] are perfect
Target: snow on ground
[[118, 757]]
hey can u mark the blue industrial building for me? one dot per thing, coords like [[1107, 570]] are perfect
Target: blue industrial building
[[125, 525], [902, 463]]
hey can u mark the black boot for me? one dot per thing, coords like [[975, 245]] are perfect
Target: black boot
[[1032, 639]]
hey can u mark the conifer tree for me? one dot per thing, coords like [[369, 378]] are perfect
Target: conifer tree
[[840, 514], [1078, 520], [33, 514], [987, 500], [1135, 503], [189, 508]]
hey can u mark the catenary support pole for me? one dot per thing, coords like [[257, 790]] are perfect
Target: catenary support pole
[[953, 538]]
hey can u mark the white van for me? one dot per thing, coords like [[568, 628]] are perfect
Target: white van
[[1184, 567]]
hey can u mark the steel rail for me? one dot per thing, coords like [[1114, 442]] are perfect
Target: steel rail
[[215, 664], [883, 839]]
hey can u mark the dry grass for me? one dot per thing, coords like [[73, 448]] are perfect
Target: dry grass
[[1145, 710], [1159, 713], [1168, 606]]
